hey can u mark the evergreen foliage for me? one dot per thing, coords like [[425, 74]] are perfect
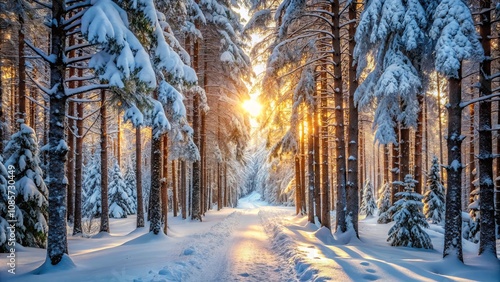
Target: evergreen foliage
[[434, 206], [92, 187], [120, 203], [31, 192], [475, 214], [407, 230], [131, 185], [384, 204], [368, 205]]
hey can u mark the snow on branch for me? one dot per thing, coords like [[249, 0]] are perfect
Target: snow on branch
[[478, 99], [87, 88], [48, 59]]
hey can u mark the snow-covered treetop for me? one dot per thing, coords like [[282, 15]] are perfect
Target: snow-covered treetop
[[456, 36]]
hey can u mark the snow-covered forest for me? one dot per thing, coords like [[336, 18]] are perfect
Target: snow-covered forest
[[250, 140]]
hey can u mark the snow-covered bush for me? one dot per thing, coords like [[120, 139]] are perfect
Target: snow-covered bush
[[31, 193], [131, 185], [368, 205], [384, 203], [434, 207], [409, 219]]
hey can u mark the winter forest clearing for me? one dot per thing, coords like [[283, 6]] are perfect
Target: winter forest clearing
[[252, 140]]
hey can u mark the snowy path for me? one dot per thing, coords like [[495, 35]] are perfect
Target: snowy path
[[249, 256]]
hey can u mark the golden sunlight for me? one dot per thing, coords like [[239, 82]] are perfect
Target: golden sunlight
[[253, 107]]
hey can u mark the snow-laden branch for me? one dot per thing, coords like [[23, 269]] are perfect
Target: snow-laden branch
[[41, 87], [478, 99], [36, 102], [78, 59], [80, 78], [75, 91], [78, 6], [48, 59]]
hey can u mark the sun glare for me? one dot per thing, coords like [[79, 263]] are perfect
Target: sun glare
[[252, 107]]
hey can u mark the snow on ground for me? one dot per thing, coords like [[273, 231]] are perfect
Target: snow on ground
[[254, 242]]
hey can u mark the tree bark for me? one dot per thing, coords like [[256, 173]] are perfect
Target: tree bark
[[297, 185], [487, 244], [352, 185], [138, 177], [310, 163], [183, 188], [418, 146], [77, 225], [164, 182], [104, 166], [404, 164], [57, 244], [303, 170], [155, 207], [325, 182], [472, 161], [174, 190], [395, 165], [22, 72], [453, 218]]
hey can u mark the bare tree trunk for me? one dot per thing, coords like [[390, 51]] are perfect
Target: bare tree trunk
[[203, 171], [472, 162], [325, 182], [440, 126], [453, 220], [317, 163], [164, 182], [183, 188], [70, 168], [418, 147], [104, 166], [22, 71], [303, 170], [118, 139], [404, 165], [174, 190], [219, 187], [386, 164], [155, 207], [138, 177], [310, 163], [77, 225], [297, 185], [395, 165], [226, 192], [487, 244], [352, 185]]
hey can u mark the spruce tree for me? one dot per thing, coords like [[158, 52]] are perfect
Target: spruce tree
[[130, 184], [92, 187], [434, 206], [31, 192], [384, 204], [119, 200], [368, 205], [409, 219]]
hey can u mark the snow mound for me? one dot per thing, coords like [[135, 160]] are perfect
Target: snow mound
[[65, 264], [147, 238]]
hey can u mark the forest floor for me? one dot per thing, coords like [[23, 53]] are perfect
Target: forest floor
[[254, 242]]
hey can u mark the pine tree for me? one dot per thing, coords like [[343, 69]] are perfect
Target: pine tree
[[31, 192], [368, 205], [475, 214], [92, 187], [119, 200], [384, 204], [130, 184], [409, 220], [434, 206]]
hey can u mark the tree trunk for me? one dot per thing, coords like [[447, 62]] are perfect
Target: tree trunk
[[404, 165], [303, 170], [472, 161], [77, 225], [203, 162], [440, 127], [138, 177], [164, 188], [418, 147], [174, 190], [57, 244], [183, 188], [310, 163], [104, 166], [219, 187], [395, 165], [317, 163], [297, 185], [70, 168], [352, 185], [118, 139], [226, 190], [386, 164], [2, 117], [325, 182], [155, 207], [487, 244], [22, 72], [453, 220]]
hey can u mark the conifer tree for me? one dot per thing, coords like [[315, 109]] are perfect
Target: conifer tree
[[119, 200], [368, 205], [409, 219], [92, 187], [130, 184], [475, 214], [31, 192], [384, 204], [434, 206]]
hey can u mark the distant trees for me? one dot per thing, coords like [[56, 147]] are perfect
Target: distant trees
[[368, 205]]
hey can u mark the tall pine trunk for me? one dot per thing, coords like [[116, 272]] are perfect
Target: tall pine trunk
[[164, 182], [418, 146], [487, 244], [297, 184], [155, 193], [57, 244], [104, 166], [303, 169], [77, 225], [138, 177], [352, 185], [325, 182], [472, 161], [310, 163], [175, 207], [453, 219]]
